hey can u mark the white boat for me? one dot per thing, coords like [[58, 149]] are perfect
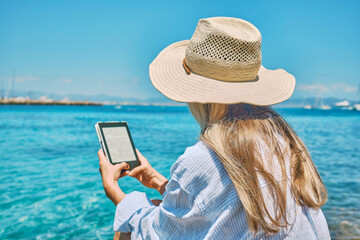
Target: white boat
[[308, 107], [341, 104], [325, 107], [45, 99], [356, 107]]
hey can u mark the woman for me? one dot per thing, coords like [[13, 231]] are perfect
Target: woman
[[249, 176]]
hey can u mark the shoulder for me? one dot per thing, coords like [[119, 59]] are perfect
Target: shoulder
[[192, 159], [198, 154], [198, 168]]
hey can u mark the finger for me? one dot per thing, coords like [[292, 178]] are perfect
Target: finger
[[137, 170], [101, 155], [138, 153], [125, 173], [142, 159], [122, 166]]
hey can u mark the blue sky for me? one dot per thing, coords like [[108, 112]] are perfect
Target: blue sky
[[105, 47]]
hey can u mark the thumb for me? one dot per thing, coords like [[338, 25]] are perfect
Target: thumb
[[122, 166]]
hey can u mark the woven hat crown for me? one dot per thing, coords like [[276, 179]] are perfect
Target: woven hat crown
[[226, 49]]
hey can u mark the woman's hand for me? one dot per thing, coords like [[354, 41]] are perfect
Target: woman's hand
[[147, 175], [110, 175]]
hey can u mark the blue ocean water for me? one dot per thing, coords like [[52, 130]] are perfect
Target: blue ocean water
[[50, 186]]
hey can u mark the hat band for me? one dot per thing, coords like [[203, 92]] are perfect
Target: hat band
[[187, 69], [222, 73]]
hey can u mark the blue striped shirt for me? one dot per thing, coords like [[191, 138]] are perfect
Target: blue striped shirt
[[200, 202]]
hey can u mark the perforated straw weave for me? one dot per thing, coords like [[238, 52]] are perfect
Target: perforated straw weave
[[220, 64], [227, 50]]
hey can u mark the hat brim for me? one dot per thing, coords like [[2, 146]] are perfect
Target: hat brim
[[168, 75]]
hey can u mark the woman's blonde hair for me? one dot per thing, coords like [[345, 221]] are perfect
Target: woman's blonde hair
[[236, 143]]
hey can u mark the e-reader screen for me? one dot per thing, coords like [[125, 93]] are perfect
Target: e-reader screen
[[119, 144]]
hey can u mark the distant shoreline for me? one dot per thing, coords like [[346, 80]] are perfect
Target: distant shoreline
[[52, 102], [81, 103]]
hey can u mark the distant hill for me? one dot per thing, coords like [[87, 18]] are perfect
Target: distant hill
[[291, 103], [312, 101], [93, 98]]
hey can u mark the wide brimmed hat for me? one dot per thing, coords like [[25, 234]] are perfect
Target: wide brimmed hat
[[220, 64]]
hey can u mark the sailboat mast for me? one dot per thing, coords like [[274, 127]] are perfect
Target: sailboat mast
[[1, 89], [10, 86], [357, 97]]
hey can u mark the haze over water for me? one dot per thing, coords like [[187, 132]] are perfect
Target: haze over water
[[51, 186]]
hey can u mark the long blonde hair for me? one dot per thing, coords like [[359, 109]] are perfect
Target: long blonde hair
[[236, 143]]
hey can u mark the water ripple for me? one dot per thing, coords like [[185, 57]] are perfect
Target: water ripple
[[51, 187]]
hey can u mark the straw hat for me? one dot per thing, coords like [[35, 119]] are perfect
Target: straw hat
[[220, 64]]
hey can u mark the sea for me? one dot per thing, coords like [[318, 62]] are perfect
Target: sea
[[50, 186]]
